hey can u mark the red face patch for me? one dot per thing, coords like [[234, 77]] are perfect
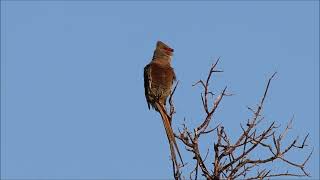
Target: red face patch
[[168, 49]]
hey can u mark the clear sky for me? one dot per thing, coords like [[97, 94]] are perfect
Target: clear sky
[[72, 98]]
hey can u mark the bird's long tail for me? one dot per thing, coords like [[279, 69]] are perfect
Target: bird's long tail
[[169, 132]]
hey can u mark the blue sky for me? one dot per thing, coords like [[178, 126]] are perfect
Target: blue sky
[[72, 98]]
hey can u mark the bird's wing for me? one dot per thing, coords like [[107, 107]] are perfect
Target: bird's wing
[[147, 82]]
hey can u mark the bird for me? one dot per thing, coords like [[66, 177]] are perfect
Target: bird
[[159, 77]]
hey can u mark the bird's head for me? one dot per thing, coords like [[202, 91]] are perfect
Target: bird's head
[[162, 47]]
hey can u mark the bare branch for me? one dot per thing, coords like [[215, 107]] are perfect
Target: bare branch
[[233, 159]]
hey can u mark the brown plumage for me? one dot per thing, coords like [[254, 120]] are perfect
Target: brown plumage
[[158, 80], [159, 76]]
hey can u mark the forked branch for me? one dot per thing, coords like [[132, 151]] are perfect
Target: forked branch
[[233, 160]]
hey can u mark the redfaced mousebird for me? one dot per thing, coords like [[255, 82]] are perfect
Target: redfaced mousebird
[[158, 80]]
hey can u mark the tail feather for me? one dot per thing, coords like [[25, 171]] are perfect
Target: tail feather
[[169, 132]]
